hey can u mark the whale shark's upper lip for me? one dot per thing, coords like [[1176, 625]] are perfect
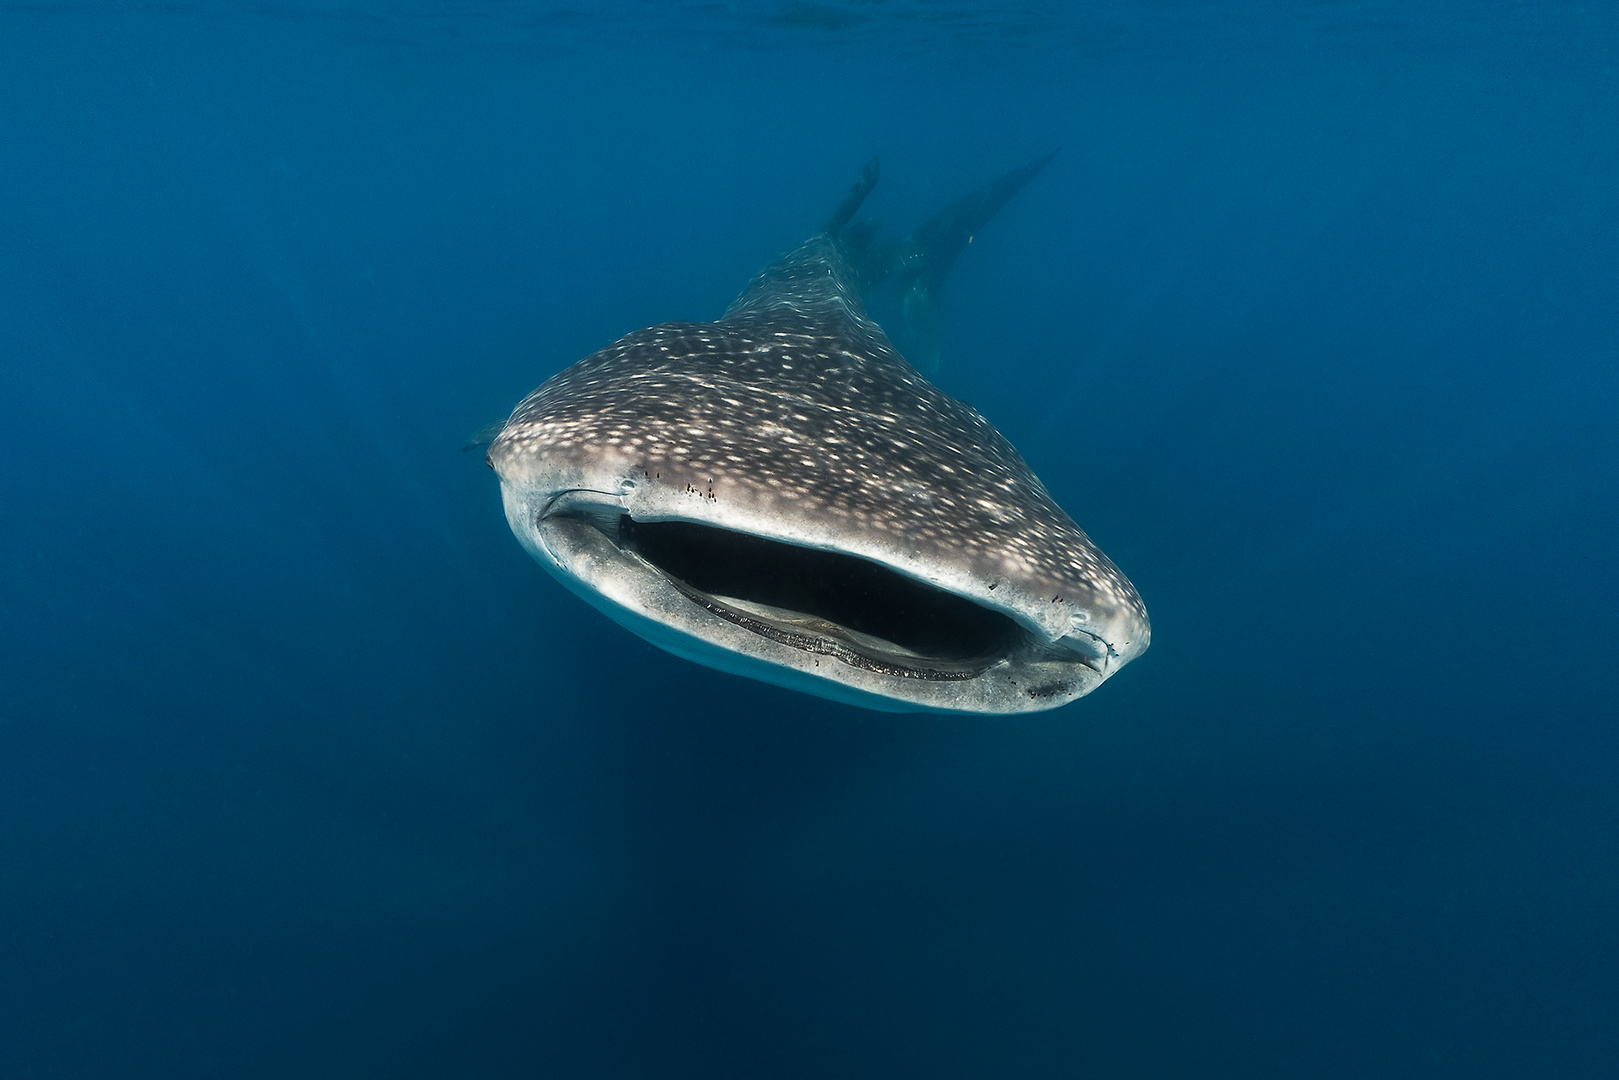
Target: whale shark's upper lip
[[818, 599], [859, 612]]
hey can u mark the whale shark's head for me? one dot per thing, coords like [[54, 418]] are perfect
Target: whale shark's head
[[780, 495]]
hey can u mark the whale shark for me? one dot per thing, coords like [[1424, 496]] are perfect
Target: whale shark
[[781, 495]]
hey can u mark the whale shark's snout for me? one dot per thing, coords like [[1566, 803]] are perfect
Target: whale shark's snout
[[779, 494]]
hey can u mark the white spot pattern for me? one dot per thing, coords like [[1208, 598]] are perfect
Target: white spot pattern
[[796, 398]]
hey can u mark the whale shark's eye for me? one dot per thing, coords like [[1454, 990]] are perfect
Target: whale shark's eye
[[876, 611]]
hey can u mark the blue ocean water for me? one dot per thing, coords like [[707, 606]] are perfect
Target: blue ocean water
[[307, 770]]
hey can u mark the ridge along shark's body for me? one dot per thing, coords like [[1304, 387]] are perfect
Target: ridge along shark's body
[[781, 495]]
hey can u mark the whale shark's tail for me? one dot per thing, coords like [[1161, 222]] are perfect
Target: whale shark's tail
[[918, 263]]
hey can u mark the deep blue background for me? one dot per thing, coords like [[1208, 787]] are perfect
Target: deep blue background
[[307, 770]]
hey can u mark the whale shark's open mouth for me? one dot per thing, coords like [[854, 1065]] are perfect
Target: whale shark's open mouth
[[815, 618], [825, 602]]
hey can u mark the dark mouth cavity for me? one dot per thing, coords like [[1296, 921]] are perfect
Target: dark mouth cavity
[[826, 602]]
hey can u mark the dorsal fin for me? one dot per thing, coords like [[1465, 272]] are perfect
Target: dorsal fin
[[851, 202], [844, 261]]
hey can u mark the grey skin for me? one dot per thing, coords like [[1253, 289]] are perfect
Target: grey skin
[[780, 494]]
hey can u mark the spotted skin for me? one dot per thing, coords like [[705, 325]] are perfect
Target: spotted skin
[[793, 417]]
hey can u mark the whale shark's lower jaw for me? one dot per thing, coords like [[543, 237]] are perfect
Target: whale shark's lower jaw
[[818, 621]]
